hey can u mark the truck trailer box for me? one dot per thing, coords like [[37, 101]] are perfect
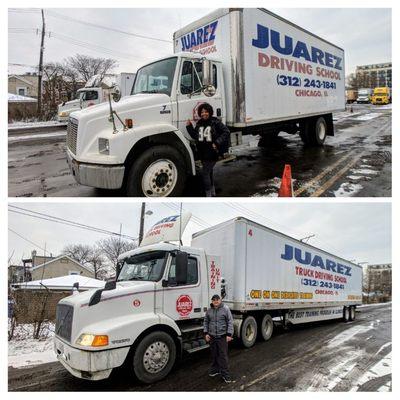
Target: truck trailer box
[[274, 70], [265, 269]]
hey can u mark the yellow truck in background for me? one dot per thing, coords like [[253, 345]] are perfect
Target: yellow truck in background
[[381, 95]]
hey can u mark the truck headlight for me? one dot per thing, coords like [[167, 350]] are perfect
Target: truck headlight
[[104, 146], [63, 114], [87, 339]]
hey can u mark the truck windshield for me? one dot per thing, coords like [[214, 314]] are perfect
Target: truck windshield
[[143, 267], [156, 77], [89, 95]]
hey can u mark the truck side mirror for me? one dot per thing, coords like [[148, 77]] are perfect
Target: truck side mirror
[[207, 83], [118, 269], [116, 93], [181, 266]]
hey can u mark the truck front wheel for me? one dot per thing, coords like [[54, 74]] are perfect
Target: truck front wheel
[[352, 313], [158, 172], [154, 357], [248, 332]]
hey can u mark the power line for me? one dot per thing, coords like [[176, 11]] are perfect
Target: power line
[[194, 218], [27, 240], [44, 216], [86, 23]]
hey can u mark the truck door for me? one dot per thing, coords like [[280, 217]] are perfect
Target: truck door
[[184, 301], [188, 101]]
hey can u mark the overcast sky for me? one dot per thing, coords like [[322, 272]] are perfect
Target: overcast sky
[[365, 34], [359, 231]]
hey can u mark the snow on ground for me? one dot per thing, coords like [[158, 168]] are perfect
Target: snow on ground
[[21, 138], [24, 351], [381, 368], [374, 304], [367, 117], [365, 171], [348, 334], [347, 189], [33, 124]]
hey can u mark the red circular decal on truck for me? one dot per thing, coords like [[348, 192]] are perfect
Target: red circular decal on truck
[[136, 303], [184, 305]]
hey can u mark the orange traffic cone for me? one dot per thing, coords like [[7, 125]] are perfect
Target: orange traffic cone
[[286, 189]]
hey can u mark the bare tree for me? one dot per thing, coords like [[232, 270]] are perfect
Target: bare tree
[[90, 256], [84, 67], [113, 247]]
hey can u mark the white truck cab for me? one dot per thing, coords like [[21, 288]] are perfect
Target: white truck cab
[[154, 155], [146, 318]]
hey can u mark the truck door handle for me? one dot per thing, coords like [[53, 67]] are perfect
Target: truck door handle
[[197, 309], [218, 112]]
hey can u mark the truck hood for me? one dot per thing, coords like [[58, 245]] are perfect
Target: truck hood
[[69, 105], [146, 110], [123, 289], [126, 104]]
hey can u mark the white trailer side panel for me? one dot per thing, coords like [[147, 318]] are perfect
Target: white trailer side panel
[[281, 270], [288, 83], [260, 273]]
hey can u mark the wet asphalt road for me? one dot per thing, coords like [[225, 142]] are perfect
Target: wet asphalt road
[[324, 356], [356, 162]]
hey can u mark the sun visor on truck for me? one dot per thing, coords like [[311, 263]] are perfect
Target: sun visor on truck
[[167, 230]]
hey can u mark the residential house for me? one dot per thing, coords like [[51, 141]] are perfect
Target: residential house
[[23, 85]]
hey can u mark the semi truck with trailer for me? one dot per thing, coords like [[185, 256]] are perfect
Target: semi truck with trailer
[[261, 73], [153, 313], [96, 91]]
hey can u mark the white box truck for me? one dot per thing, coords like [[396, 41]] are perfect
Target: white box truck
[[261, 73], [96, 91], [364, 95], [154, 311]]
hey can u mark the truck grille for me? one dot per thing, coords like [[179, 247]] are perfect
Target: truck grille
[[64, 317], [72, 134]]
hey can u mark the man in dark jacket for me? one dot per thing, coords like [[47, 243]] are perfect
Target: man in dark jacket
[[218, 330], [212, 139]]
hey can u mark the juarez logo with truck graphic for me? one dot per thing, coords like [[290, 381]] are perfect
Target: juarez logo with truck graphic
[[201, 40]]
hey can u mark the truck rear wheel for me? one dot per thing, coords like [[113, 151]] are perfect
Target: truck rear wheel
[[346, 314], [352, 313], [313, 131], [266, 327], [154, 357], [248, 332], [158, 172]]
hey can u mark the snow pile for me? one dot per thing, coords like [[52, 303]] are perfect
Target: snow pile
[[348, 334], [15, 98], [381, 368], [367, 117], [24, 351], [347, 189], [33, 124]]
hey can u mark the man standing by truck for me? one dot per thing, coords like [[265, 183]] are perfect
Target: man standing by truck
[[218, 330]]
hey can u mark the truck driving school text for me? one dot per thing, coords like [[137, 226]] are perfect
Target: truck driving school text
[[330, 65]]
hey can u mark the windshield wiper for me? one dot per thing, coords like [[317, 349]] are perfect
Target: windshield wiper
[[149, 91]]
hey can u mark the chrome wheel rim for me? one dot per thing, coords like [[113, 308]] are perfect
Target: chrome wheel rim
[[159, 178], [321, 131], [156, 357], [249, 332]]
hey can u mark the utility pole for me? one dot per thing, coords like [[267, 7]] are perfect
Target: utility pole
[[39, 106], [142, 213]]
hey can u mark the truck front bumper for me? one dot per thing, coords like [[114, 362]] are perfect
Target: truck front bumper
[[95, 175], [91, 365]]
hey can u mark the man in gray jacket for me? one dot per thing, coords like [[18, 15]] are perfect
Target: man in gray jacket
[[218, 330]]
